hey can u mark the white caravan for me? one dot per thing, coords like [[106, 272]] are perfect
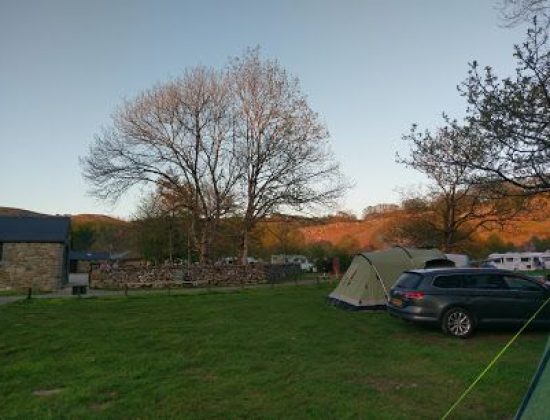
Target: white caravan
[[300, 260], [521, 261]]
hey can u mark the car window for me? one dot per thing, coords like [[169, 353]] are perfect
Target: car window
[[408, 281], [451, 281], [517, 283], [485, 281]]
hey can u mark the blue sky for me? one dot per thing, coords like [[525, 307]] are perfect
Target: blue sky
[[370, 69]]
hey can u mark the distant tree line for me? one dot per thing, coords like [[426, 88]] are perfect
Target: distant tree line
[[161, 234]]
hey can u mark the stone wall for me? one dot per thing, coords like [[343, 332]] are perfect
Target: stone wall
[[196, 275], [36, 265]]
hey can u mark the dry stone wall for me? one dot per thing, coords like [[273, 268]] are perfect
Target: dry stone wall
[[36, 265], [197, 275]]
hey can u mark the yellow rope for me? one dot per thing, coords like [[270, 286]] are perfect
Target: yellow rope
[[495, 359]]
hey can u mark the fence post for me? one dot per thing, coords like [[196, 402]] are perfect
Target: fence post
[[125, 289], [29, 292]]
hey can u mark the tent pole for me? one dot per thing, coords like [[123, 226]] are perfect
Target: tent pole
[[379, 277]]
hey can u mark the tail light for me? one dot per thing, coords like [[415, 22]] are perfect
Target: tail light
[[414, 295]]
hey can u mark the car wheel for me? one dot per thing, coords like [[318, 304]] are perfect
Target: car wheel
[[458, 322]]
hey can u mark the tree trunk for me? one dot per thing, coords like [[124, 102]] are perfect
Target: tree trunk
[[447, 241], [203, 252], [244, 246], [204, 245], [171, 239]]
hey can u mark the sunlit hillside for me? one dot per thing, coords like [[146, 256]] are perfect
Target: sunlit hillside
[[95, 219], [370, 233]]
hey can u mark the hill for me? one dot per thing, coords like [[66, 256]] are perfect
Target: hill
[[75, 219], [12, 211], [96, 219], [369, 233]]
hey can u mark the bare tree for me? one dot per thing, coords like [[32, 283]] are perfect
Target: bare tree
[[242, 141], [178, 136], [509, 119], [454, 208], [281, 144], [514, 12]]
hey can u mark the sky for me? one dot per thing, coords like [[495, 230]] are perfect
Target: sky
[[369, 68]]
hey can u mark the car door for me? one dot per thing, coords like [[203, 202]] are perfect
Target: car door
[[529, 297], [490, 297]]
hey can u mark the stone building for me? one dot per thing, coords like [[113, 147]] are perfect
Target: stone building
[[34, 252]]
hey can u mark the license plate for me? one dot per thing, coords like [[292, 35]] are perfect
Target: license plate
[[396, 302]]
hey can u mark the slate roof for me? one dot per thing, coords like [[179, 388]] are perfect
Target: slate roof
[[46, 229]]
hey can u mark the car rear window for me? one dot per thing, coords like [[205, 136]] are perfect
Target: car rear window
[[408, 281]]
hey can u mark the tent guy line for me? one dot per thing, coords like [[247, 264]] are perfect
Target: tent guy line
[[492, 362]]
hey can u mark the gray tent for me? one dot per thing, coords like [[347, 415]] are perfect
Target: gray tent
[[366, 283]]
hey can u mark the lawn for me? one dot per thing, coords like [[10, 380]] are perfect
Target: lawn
[[276, 353]]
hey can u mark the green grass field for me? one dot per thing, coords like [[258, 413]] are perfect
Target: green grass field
[[275, 353]]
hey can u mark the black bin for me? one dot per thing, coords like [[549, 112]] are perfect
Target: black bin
[[79, 290]]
